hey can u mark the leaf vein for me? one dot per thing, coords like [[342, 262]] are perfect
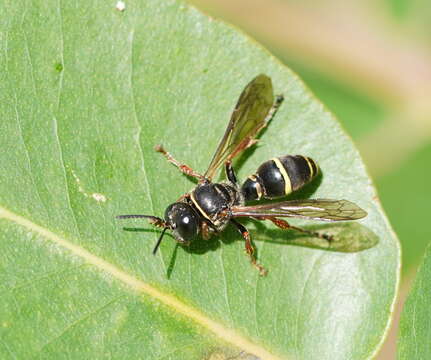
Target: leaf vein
[[225, 286], [138, 138], [38, 279], [301, 299], [80, 320], [226, 334]]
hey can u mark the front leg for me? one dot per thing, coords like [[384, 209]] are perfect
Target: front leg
[[185, 169], [205, 231]]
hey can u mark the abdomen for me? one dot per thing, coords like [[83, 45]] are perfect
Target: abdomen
[[279, 177]]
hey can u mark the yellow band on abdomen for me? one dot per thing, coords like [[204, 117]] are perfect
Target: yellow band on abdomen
[[286, 178]]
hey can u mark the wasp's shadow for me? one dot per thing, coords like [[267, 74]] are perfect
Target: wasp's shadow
[[139, 229], [347, 237]]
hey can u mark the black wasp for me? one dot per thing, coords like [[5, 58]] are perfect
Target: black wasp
[[210, 207]]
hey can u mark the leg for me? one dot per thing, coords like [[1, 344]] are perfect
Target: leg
[[208, 229], [251, 139], [185, 169], [249, 247], [182, 197], [230, 173], [282, 224], [205, 231], [278, 100]]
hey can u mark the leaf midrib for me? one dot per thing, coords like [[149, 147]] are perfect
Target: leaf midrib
[[141, 287]]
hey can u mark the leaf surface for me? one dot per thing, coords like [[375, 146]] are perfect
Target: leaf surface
[[415, 324]]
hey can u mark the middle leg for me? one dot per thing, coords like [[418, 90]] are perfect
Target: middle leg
[[249, 247], [230, 173]]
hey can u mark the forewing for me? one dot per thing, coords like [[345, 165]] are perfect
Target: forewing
[[248, 118], [317, 209]]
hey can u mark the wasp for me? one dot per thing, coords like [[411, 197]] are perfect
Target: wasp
[[211, 206]]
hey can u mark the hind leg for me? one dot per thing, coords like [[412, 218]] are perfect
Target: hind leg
[[283, 224]]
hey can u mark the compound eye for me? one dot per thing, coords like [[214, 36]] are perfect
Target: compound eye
[[187, 226], [183, 220]]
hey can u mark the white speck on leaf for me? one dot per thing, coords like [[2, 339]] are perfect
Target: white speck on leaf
[[96, 196], [120, 6], [78, 181]]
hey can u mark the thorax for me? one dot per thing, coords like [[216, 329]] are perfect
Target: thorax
[[211, 200]]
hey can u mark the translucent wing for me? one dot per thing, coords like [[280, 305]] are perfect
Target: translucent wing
[[318, 209], [251, 114]]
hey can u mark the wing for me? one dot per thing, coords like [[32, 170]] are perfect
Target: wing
[[317, 209], [251, 114]]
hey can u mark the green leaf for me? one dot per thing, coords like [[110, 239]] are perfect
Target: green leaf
[[415, 323], [86, 92]]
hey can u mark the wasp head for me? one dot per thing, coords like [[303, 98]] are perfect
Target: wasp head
[[179, 217], [183, 221]]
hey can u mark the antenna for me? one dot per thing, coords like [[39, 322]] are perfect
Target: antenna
[[153, 219], [159, 241], [137, 217]]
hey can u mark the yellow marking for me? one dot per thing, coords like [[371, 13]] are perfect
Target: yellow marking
[[192, 196], [258, 187], [287, 182], [310, 166], [139, 286]]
